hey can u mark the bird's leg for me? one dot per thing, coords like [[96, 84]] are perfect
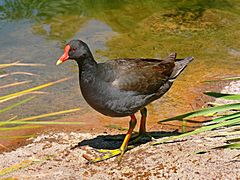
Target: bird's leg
[[142, 130], [107, 154]]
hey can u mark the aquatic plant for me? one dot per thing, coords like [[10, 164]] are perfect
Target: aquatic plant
[[32, 121], [225, 116]]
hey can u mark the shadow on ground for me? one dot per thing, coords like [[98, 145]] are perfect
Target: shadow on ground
[[115, 141]]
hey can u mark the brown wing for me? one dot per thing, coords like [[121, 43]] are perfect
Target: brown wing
[[139, 75]]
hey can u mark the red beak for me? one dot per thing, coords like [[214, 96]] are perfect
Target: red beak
[[65, 55]]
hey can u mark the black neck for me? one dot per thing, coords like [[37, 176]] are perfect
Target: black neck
[[87, 68]]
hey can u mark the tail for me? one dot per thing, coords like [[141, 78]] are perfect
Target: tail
[[180, 65]]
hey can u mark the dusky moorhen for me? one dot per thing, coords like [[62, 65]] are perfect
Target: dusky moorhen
[[121, 87]]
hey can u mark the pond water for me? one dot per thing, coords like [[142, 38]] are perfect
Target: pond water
[[35, 31]]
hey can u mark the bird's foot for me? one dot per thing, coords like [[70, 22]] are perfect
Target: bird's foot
[[107, 154], [142, 136]]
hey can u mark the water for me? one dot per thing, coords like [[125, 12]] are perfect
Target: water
[[36, 32]]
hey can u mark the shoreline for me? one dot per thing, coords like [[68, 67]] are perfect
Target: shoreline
[[91, 119], [58, 155]]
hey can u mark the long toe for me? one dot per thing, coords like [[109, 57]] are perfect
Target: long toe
[[106, 154]]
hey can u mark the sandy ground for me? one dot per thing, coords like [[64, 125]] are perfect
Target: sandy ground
[[60, 156]]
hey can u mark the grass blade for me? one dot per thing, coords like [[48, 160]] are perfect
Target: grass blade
[[17, 137], [18, 128], [12, 118], [18, 121], [235, 115], [14, 73], [233, 140], [8, 65], [237, 132], [32, 89], [199, 130], [235, 106], [231, 146], [10, 98], [40, 122], [18, 166], [224, 96], [16, 104], [14, 84], [17, 63], [48, 115]]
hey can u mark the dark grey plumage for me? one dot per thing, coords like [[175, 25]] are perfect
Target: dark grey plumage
[[121, 87]]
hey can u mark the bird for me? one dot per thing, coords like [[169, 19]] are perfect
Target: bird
[[121, 87]]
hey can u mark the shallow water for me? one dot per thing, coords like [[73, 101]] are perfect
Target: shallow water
[[35, 32]]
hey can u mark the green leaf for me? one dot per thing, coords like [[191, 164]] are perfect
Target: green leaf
[[233, 140], [16, 104], [236, 132], [18, 128], [18, 166], [231, 116], [39, 122], [40, 116], [36, 88], [199, 130], [17, 137], [231, 146], [202, 112], [224, 96]]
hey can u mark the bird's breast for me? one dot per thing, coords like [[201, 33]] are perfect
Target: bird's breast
[[110, 101]]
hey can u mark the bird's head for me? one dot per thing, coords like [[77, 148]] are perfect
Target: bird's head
[[76, 50]]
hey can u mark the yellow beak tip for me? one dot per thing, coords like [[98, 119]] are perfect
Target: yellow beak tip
[[58, 62]]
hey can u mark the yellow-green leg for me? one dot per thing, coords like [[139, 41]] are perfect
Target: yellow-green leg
[[107, 154], [142, 130]]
